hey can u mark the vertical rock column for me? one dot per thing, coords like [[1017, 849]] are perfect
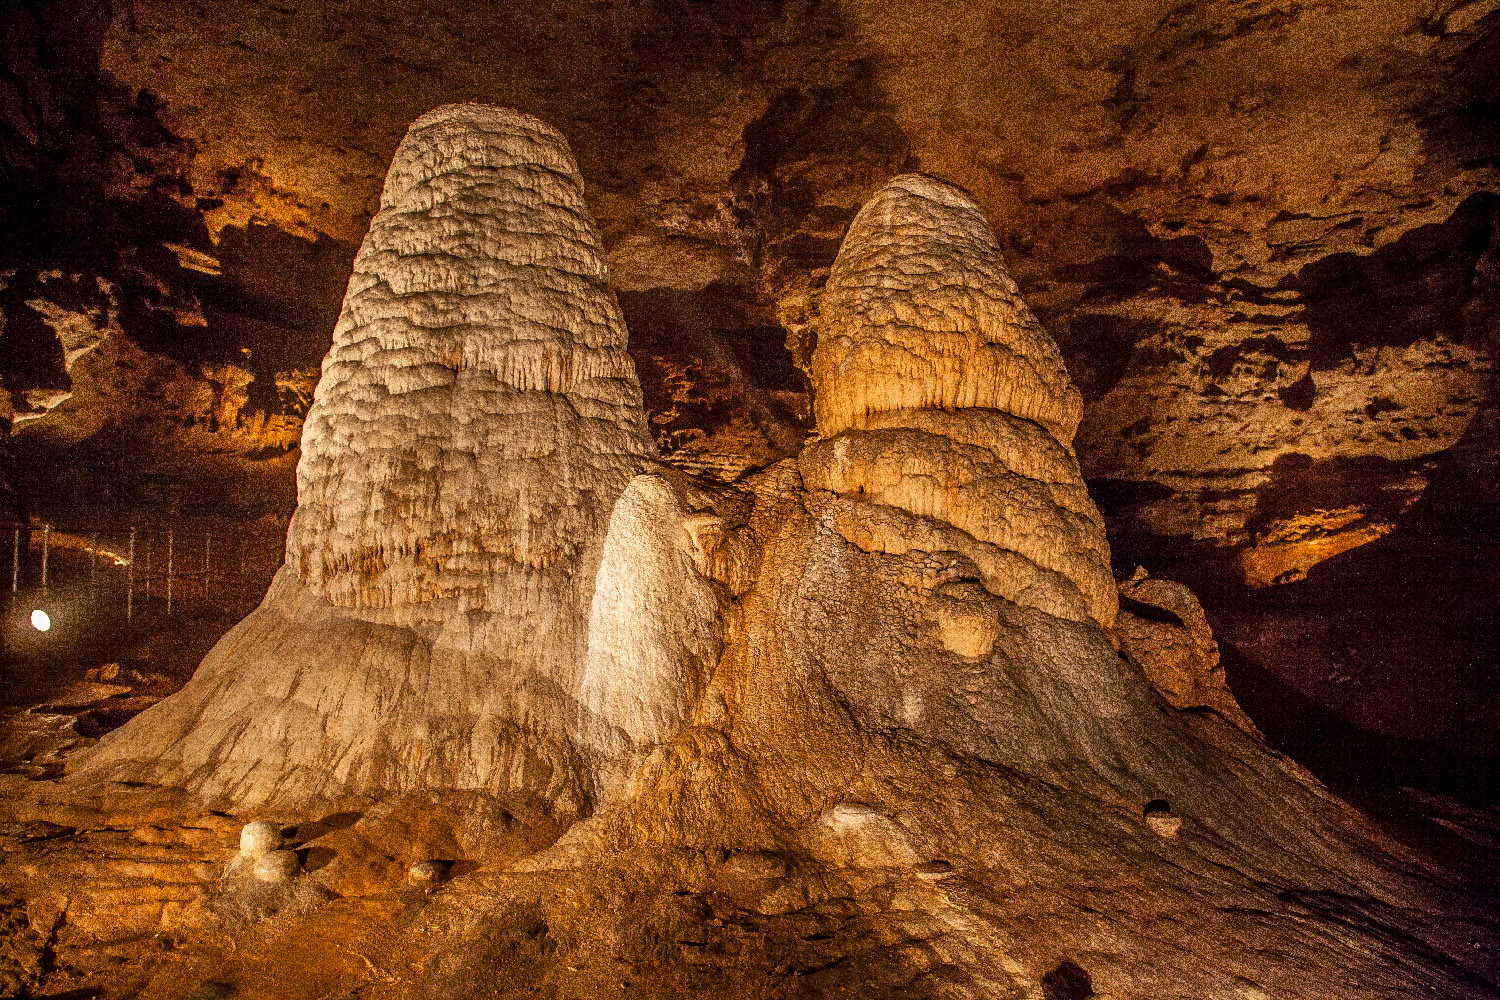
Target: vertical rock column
[[477, 419], [478, 413], [938, 393]]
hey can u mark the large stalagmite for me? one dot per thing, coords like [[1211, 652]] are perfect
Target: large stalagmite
[[857, 726], [932, 771], [477, 419], [940, 395]]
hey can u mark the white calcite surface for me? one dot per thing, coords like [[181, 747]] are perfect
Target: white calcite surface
[[477, 418]]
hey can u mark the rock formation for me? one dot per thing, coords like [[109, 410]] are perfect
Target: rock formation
[[1265, 238], [477, 419], [1164, 632], [937, 393], [969, 740], [857, 726]]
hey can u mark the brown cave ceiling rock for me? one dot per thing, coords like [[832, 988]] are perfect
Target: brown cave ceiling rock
[[117, 411]]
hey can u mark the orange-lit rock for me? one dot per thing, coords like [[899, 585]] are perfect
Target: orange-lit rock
[[855, 723], [938, 395], [1164, 632], [810, 721], [1288, 549]]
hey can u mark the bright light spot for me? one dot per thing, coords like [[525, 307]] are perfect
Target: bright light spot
[[40, 620]]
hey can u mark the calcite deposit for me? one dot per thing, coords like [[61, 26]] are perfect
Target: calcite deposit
[[938, 394], [476, 422], [919, 313], [539, 715]]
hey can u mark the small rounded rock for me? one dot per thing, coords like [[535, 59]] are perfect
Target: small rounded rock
[[1164, 823], [259, 838], [426, 871], [277, 866]]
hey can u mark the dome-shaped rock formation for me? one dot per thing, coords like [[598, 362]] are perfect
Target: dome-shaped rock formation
[[939, 394], [919, 312], [477, 419]]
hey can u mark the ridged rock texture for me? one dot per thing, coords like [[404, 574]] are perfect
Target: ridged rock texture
[[860, 723], [938, 393], [477, 419]]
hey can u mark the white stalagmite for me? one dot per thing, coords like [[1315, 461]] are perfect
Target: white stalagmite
[[654, 628], [938, 393], [477, 419], [478, 413]]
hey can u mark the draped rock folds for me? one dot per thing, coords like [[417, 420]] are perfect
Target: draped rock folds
[[477, 419], [938, 393]]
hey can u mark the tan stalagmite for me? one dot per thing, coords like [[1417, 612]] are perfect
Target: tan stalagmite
[[937, 392], [920, 312], [477, 419]]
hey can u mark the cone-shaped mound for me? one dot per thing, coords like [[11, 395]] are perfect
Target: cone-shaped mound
[[919, 312], [477, 419], [478, 412], [940, 395]]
